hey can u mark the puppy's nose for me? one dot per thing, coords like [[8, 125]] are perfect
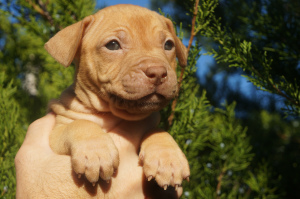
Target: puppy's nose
[[156, 74]]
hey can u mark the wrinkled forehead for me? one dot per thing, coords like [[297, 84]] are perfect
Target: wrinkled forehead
[[129, 14], [132, 19]]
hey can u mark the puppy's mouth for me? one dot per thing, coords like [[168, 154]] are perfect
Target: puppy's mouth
[[149, 103]]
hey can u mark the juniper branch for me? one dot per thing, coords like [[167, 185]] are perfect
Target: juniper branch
[[218, 189], [41, 8], [193, 33]]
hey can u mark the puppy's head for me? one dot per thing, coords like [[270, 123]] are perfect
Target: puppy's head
[[126, 56]]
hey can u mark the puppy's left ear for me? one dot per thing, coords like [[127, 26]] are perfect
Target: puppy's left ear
[[64, 45], [181, 51]]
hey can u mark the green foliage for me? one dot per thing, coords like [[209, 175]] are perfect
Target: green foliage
[[261, 179], [24, 56], [277, 145], [11, 137], [261, 63], [216, 144]]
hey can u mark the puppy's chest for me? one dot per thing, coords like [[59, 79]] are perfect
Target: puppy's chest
[[128, 181], [127, 141]]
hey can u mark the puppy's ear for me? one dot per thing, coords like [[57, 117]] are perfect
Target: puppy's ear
[[64, 45], [181, 51]]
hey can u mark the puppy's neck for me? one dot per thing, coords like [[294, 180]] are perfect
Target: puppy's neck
[[88, 101], [92, 101], [82, 101], [73, 106]]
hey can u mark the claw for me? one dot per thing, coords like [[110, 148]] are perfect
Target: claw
[[79, 175], [187, 179], [108, 180], [141, 156], [93, 184], [165, 187], [176, 187], [150, 178]]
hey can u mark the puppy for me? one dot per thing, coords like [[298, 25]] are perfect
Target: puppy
[[125, 58]]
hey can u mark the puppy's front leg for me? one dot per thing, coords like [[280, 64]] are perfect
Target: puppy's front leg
[[163, 160], [92, 151]]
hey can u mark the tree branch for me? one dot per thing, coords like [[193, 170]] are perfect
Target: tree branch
[[277, 90], [218, 189], [174, 103], [42, 10]]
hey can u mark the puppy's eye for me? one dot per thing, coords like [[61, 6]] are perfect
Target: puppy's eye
[[113, 45], [169, 45]]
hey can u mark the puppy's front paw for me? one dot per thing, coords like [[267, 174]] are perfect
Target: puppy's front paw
[[168, 165], [95, 157]]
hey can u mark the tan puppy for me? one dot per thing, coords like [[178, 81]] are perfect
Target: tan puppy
[[125, 59]]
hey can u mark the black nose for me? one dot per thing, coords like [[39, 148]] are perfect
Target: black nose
[[156, 74]]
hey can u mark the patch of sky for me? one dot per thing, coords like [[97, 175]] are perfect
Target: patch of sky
[[143, 3]]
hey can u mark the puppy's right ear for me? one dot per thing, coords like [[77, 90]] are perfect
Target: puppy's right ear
[[64, 45]]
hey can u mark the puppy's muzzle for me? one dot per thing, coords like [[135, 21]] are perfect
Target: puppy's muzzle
[[147, 87]]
